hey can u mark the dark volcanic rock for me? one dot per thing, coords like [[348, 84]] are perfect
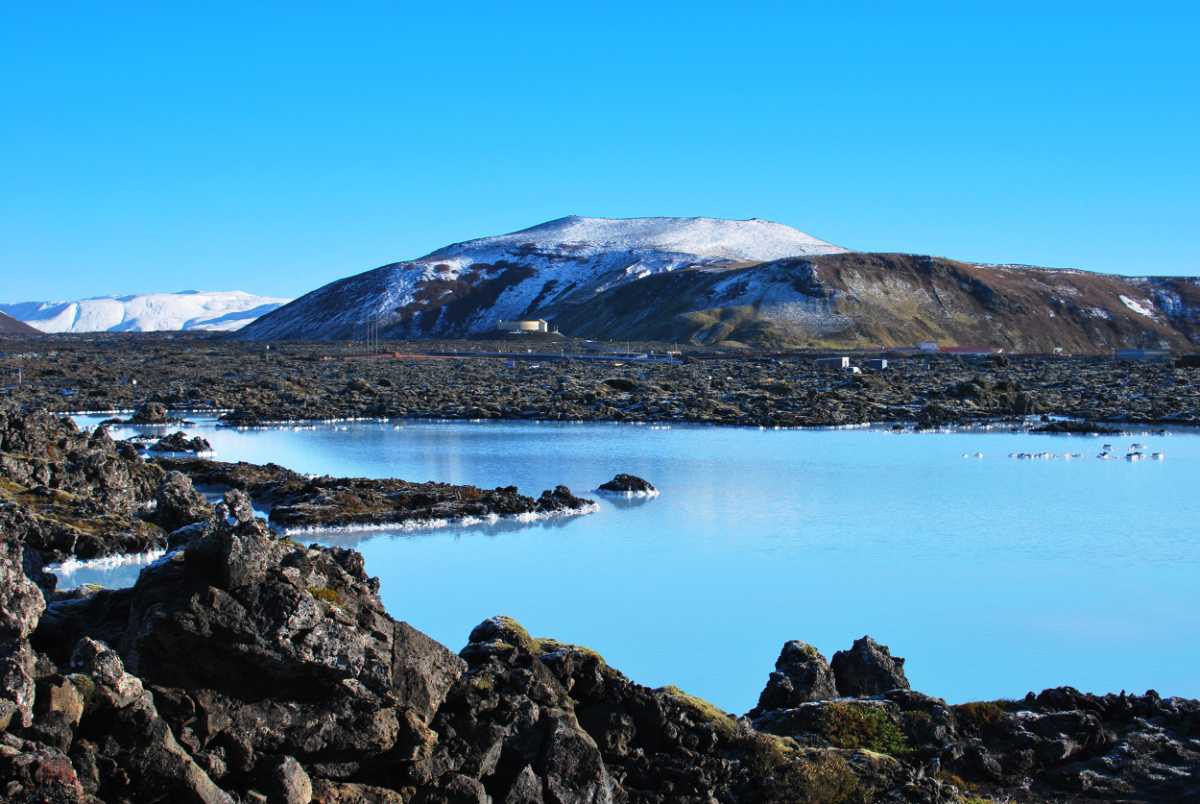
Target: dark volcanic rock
[[120, 718], [868, 668], [629, 484], [180, 442], [801, 675], [562, 501], [308, 665], [68, 493], [1077, 427], [150, 413], [177, 503], [303, 503], [21, 605]]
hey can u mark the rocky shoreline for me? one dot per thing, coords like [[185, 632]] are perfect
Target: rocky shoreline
[[246, 667], [253, 385], [299, 503], [67, 493]]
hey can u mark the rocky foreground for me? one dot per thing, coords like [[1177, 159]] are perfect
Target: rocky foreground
[[250, 384], [246, 667]]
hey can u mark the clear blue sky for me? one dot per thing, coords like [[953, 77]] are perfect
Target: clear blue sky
[[276, 148]]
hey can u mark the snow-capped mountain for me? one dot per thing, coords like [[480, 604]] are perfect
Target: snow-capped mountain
[[467, 288], [709, 281], [149, 312]]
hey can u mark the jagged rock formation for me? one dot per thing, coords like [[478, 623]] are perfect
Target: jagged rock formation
[[67, 493], [868, 668], [801, 675], [755, 283]]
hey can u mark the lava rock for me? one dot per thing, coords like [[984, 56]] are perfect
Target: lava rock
[[801, 675], [180, 442], [177, 503], [868, 668], [150, 413], [629, 484], [21, 605]]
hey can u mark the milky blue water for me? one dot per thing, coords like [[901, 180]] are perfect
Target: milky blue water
[[993, 576]]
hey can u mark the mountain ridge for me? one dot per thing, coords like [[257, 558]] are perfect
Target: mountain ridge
[[146, 312], [738, 283]]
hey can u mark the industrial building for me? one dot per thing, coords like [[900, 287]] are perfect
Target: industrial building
[[536, 325]]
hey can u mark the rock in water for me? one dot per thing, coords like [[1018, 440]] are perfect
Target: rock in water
[[629, 484], [561, 500], [868, 668], [179, 442], [801, 675], [150, 413]]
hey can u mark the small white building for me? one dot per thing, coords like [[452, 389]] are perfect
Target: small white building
[[928, 346], [536, 325]]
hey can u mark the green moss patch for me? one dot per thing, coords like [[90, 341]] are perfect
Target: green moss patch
[[850, 725]]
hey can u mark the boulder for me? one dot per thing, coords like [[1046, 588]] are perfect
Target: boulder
[[629, 484], [180, 442], [177, 503], [868, 668], [122, 737], [288, 783], [150, 413], [801, 675], [21, 605], [562, 501]]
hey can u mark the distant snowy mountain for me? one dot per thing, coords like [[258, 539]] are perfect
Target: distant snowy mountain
[[149, 312], [467, 288]]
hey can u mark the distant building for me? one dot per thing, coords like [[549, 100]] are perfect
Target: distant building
[[876, 363], [536, 325], [833, 362], [928, 346]]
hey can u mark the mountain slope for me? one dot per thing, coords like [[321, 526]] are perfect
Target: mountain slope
[[865, 300], [150, 312], [11, 326], [467, 288], [709, 281]]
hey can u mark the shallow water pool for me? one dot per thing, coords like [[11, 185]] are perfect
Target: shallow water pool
[[992, 575]]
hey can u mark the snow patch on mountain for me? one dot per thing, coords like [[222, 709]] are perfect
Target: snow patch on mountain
[[1139, 307], [149, 312], [751, 240]]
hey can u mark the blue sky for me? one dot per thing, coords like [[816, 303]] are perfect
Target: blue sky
[[276, 148]]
